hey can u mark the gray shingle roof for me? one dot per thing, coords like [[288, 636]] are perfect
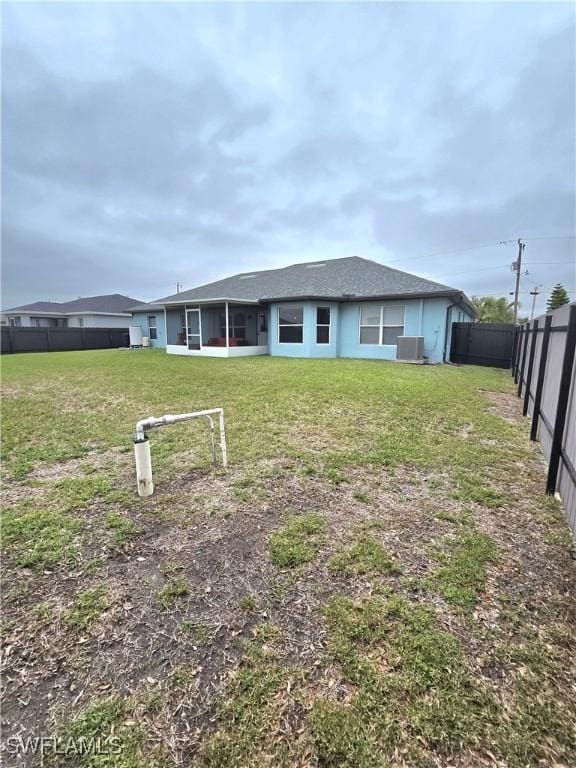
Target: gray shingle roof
[[38, 306], [346, 278], [111, 303]]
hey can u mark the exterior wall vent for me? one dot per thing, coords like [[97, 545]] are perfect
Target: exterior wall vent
[[410, 348]]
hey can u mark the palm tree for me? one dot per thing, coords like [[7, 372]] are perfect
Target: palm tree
[[493, 310]]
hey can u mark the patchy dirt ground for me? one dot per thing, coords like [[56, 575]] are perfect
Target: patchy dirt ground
[[194, 580]]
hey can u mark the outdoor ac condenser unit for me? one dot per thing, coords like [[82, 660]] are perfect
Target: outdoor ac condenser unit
[[410, 348]]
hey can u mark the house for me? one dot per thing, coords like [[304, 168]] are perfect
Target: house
[[109, 311], [349, 307]]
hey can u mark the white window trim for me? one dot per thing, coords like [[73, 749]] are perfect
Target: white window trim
[[324, 325], [291, 325], [381, 325]]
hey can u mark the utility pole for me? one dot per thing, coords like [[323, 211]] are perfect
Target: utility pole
[[516, 267], [534, 293]]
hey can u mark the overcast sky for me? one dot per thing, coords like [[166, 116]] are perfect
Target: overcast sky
[[149, 144]]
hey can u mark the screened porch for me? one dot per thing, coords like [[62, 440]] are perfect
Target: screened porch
[[218, 329]]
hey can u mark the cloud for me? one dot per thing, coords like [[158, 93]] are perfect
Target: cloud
[[149, 144]]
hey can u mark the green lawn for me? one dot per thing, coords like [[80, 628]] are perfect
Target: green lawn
[[378, 578]]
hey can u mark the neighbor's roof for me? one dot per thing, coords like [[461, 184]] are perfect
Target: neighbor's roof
[[112, 303], [38, 306], [350, 278]]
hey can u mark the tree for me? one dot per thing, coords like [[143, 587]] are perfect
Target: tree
[[493, 310], [558, 298]]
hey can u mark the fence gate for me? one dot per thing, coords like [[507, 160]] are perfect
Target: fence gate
[[482, 344]]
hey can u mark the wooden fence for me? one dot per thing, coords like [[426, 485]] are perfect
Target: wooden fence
[[18, 339], [543, 368]]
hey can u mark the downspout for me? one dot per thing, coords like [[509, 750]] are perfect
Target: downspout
[[448, 317]]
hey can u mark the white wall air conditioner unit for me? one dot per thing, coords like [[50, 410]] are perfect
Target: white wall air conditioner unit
[[410, 348]]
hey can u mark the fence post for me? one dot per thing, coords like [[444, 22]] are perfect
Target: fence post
[[12, 337], [562, 405], [523, 363], [514, 350], [530, 367], [541, 377], [48, 341], [83, 338], [519, 331]]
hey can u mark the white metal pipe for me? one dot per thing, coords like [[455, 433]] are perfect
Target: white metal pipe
[[152, 422], [143, 467], [222, 438]]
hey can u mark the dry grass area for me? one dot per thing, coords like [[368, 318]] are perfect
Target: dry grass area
[[292, 610]]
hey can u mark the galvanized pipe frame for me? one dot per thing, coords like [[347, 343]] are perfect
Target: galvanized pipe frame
[[142, 443]]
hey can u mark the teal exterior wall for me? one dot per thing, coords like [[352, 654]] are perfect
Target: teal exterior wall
[[422, 317], [309, 347], [141, 319]]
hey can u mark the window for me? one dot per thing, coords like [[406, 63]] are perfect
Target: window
[[322, 325], [152, 328], [381, 325], [15, 321], [236, 325], [80, 322], [290, 325]]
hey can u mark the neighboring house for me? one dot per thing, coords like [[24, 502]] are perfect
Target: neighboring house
[[109, 311], [349, 307]]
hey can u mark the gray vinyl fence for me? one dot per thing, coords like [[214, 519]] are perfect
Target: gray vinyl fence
[[18, 339], [543, 368]]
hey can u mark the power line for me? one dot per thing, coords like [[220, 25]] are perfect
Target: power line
[[450, 253], [499, 266], [480, 269], [502, 293], [479, 247], [552, 237]]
